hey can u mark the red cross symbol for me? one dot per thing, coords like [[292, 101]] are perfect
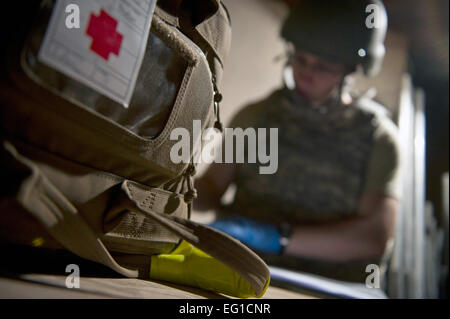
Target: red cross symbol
[[105, 38]]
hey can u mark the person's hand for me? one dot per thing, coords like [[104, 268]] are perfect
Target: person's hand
[[258, 236]]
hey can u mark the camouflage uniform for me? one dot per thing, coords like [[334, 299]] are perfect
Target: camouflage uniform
[[328, 156]]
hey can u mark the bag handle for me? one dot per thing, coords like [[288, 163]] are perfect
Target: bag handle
[[60, 217], [224, 248], [62, 220]]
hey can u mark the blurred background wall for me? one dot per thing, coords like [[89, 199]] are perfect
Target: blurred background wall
[[251, 69]]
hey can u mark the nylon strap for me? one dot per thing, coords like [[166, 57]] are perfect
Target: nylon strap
[[60, 217], [224, 248]]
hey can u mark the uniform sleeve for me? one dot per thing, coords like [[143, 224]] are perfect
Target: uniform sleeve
[[383, 171]]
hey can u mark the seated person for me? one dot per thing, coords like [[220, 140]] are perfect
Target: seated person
[[334, 197]]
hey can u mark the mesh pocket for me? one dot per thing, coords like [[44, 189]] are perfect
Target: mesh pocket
[[154, 95]]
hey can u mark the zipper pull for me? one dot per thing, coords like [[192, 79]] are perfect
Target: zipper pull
[[217, 99], [191, 193]]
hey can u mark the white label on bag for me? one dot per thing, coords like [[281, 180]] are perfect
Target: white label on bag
[[100, 43]]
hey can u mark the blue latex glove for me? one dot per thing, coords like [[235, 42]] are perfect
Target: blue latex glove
[[258, 236]]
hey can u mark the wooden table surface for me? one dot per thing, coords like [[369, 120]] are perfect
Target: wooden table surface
[[53, 286]]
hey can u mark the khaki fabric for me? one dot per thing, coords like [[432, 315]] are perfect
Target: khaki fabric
[[77, 233], [97, 178]]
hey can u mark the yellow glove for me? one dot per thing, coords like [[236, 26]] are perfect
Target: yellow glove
[[190, 266]]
